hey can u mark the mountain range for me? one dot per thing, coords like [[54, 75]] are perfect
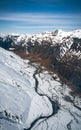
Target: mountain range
[[57, 50], [40, 81]]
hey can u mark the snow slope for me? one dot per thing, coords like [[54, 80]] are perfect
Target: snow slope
[[19, 103]]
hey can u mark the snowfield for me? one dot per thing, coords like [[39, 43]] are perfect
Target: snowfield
[[19, 103], [31, 99]]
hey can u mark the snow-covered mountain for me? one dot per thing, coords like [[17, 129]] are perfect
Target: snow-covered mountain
[[33, 99], [59, 39], [63, 49]]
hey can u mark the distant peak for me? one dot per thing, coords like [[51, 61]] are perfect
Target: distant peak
[[58, 31]]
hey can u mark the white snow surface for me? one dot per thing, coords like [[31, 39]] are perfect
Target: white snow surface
[[17, 95]]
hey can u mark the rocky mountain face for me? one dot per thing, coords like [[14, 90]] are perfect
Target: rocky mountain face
[[61, 49]]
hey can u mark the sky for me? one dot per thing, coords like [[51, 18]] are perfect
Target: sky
[[35, 16]]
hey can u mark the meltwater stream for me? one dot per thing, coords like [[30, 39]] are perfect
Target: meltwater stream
[[55, 105]]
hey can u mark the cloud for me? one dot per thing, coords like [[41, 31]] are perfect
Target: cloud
[[39, 29], [37, 18], [45, 28]]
